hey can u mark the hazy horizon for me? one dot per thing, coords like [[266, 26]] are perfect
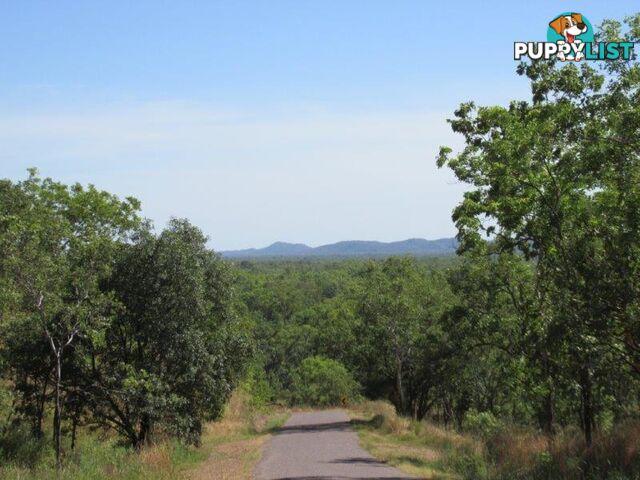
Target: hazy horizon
[[260, 247], [305, 122]]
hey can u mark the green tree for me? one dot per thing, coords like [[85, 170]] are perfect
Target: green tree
[[174, 349], [556, 180], [499, 342], [57, 245], [321, 381], [399, 306]]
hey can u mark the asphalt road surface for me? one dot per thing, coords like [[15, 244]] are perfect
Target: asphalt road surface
[[320, 446]]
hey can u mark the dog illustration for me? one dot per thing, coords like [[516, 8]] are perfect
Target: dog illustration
[[569, 26]]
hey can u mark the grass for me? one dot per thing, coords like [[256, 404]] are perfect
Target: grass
[[417, 448], [510, 452], [104, 459], [230, 449]]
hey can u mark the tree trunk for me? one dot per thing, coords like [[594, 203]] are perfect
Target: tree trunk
[[76, 419], [57, 414], [447, 411], [587, 405], [400, 386], [546, 415], [549, 415], [144, 433], [41, 403]]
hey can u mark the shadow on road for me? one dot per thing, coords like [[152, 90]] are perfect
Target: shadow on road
[[341, 478], [359, 461], [316, 427], [323, 427]]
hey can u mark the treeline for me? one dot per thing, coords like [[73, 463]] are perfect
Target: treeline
[[452, 340], [105, 323], [381, 319]]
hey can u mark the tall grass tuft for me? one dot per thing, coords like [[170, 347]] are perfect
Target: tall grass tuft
[[517, 453]]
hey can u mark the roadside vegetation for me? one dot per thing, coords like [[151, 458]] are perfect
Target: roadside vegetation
[[232, 447], [229, 450], [486, 449], [121, 345]]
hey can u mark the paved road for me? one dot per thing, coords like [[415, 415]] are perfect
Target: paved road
[[320, 446]]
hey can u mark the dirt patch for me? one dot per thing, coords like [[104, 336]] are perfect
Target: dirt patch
[[230, 461]]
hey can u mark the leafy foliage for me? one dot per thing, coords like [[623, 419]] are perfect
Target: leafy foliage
[[556, 180], [107, 322], [323, 382], [172, 352]]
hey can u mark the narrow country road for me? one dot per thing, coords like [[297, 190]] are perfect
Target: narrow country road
[[320, 446]]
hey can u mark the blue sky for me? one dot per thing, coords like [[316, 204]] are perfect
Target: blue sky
[[303, 121]]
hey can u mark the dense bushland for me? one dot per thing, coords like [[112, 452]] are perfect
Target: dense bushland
[[107, 324], [528, 342]]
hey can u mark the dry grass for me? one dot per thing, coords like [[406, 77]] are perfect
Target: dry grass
[[516, 450], [158, 457], [234, 444], [614, 454], [524, 454], [417, 448], [432, 452], [420, 461]]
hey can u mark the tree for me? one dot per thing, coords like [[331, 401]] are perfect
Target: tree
[[556, 180], [500, 341], [399, 311], [321, 381], [174, 348], [57, 244]]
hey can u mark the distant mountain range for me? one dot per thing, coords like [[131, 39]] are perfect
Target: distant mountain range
[[352, 248]]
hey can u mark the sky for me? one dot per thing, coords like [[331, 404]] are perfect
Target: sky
[[309, 121]]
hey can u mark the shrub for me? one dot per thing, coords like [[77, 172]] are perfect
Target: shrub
[[20, 447], [481, 423], [470, 466], [320, 381], [257, 386]]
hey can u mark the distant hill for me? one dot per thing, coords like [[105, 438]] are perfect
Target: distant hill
[[352, 248]]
